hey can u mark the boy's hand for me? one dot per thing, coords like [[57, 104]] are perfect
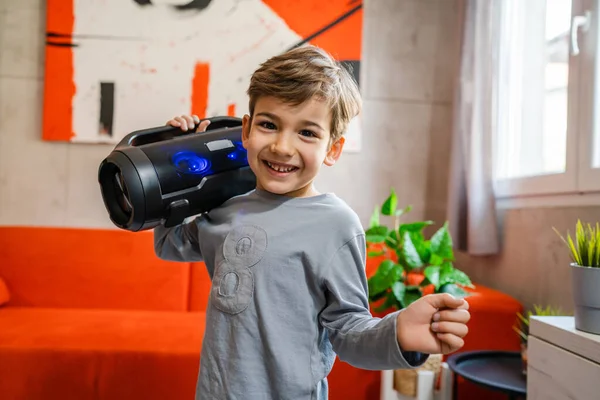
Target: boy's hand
[[434, 324], [186, 122]]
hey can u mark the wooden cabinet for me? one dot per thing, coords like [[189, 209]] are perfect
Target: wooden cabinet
[[563, 363]]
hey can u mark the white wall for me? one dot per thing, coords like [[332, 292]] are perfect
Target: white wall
[[406, 85]]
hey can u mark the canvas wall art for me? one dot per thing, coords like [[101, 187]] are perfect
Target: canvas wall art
[[116, 66]]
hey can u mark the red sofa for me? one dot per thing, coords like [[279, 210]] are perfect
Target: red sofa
[[94, 314]]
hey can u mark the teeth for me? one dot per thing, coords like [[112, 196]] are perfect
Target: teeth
[[280, 168]]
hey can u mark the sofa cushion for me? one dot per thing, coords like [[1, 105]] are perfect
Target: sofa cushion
[[90, 268], [4, 293], [99, 354]]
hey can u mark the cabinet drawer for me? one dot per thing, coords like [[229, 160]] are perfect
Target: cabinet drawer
[[556, 374]]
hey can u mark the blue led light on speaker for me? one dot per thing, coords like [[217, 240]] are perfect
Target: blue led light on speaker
[[190, 162], [237, 155]]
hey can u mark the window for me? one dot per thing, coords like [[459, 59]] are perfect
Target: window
[[547, 139]]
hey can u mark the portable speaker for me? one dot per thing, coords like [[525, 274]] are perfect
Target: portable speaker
[[163, 175]]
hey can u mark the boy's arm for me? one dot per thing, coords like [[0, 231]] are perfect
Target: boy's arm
[[357, 337], [179, 243]]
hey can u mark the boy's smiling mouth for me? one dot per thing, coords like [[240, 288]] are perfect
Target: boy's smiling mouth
[[279, 168]]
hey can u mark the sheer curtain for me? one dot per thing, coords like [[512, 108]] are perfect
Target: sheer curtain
[[471, 201]]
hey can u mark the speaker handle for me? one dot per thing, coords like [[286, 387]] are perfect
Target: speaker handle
[[167, 132]]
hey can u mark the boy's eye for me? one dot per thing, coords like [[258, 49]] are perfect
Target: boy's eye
[[308, 133], [267, 125]]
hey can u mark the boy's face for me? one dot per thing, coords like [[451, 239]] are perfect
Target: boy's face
[[287, 145]]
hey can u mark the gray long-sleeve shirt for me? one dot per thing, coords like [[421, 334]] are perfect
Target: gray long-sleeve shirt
[[289, 292]]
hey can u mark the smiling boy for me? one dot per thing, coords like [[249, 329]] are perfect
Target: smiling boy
[[287, 263]]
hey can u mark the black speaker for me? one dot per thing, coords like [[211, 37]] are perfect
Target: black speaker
[[163, 175]]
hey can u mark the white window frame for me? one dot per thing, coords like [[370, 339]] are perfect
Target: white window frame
[[589, 178], [579, 184]]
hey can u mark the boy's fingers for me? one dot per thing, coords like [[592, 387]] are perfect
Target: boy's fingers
[[180, 122], [189, 121], [446, 300], [455, 315], [185, 122], [203, 125], [452, 342], [454, 328]]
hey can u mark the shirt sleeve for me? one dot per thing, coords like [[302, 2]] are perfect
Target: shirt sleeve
[[178, 243], [357, 337]]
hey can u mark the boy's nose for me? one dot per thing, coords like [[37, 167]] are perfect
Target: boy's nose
[[282, 145]]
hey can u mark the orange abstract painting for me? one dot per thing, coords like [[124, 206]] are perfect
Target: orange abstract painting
[[116, 66]]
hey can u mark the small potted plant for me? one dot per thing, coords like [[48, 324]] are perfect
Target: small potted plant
[[585, 275], [409, 266], [522, 327]]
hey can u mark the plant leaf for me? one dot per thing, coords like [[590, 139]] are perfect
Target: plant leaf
[[459, 277], [441, 243], [446, 268], [375, 239], [392, 240], [403, 211], [449, 274], [453, 290], [374, 221], [390, 204], [398, 289], [523, 320], [379, 230], [411, 294], [387, 273], [581, 247], [375, 253], [410, 252], [413, 226], [574, 253], [432, 273], [435, 259], [423, 246], [591, 249], [376, 234], [520, 333]]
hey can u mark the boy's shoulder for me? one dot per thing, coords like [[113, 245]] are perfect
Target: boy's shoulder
[[327, 207], [343, 219]]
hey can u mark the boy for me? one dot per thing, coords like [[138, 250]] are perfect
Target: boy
[[287, 263]]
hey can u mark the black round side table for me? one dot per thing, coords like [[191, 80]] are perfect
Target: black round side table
[[496, 370]]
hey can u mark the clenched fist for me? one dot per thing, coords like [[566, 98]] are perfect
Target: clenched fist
[[434, 324]]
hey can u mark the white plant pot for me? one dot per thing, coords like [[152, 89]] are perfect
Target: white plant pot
[[586, 296]]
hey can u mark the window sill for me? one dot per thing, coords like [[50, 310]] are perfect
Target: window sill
[[586, 199]]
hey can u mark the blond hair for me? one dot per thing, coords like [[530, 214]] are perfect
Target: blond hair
[[305, 72]]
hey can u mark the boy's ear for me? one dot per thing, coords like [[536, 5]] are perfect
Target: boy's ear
[[335, 151], [246, 122]]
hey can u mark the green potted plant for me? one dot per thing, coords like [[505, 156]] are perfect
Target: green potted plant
[[411, 265], [522, 327], [585, 275]]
